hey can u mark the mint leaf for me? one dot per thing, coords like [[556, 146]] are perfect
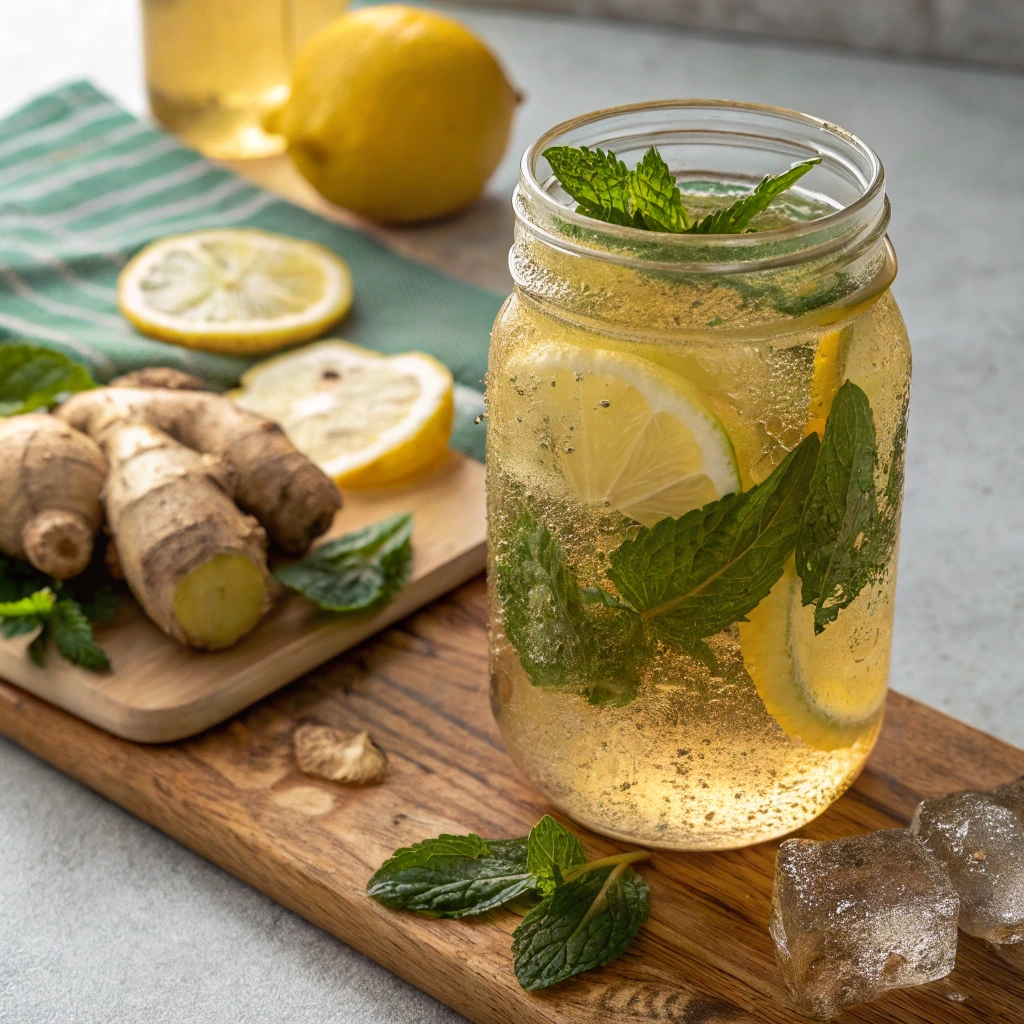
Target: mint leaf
[[691, 577], [735, 218], [585, 923], [565, 638], [655, 197], [19, 579], [598, 181], [845, 539], [453, 876], [359, 571], [551, 851], [38, 604], [71, 633], [32, 377]]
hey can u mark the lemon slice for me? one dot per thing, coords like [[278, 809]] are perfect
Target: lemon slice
[[364, 418], [627, 433], [234, 290], [827, 690]]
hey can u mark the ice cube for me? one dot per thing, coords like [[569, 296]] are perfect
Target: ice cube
[[981, 841], [853, 918]]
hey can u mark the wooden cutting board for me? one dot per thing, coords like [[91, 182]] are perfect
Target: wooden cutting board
[[161, 691], [235, 796]]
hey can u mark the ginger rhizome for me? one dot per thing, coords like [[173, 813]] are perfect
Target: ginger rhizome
[[50, 481], [194, 487]]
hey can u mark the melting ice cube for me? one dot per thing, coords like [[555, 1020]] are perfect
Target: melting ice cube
[[853, 918], [980, 839]]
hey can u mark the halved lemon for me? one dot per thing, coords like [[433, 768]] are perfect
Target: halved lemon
[[366, 419], [827, 689], [234, 290], [627, 433]]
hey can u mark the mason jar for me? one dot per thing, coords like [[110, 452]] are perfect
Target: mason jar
[[694, 477]]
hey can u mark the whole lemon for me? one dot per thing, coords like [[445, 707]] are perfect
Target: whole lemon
[[397, 113]]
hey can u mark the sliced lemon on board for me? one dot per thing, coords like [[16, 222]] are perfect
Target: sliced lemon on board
[[366, 419], [234, 290], [827, 690], [628, 433]]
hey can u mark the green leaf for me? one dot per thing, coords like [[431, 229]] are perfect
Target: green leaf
[[356, 572], [71, 633], [655, 197], [598, 181], [691, 577], [19, 579], [38, 604], [585, 923], [565, 638], [32, 377], [453, 876], [551, 851], [735, 218], [845, 539]]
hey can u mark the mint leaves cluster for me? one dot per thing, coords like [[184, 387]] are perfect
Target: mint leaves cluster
[[648, 197], [578, 914], [684, 580], [60, 612], [32, 377]]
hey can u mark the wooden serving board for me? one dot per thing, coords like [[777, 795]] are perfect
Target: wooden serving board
[[160, 691], [235, 796]]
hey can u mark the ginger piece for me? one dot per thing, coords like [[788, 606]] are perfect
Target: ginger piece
[[338, 756], [50, 481], [185, 468], [288, 494]]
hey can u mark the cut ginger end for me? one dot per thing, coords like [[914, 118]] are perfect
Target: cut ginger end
[[220, 601]]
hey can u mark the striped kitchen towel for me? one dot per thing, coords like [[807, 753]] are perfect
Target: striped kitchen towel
[[84, 184]]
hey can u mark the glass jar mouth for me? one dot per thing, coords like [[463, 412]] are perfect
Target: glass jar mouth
[[853, 184]]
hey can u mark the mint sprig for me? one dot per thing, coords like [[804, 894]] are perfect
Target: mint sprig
[[648, 197], [588, 911], [357, 572], [33, 377]]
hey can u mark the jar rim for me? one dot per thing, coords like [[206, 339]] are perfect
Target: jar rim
[[865, 217]]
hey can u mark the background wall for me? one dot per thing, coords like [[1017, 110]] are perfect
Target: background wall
[[980, 30]]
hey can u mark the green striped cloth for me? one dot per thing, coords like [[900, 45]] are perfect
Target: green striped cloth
[[84, 184]]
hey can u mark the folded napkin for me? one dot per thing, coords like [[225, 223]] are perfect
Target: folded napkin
[[84, 184]]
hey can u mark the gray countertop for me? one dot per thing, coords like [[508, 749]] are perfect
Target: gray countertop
[[103, 919]]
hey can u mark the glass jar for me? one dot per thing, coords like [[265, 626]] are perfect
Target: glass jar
[[694, 475]]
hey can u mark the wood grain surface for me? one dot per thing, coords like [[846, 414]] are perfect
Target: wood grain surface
[[235, 796], [161, 691]]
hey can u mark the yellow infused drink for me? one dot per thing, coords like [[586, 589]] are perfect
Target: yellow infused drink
[[694, 481]]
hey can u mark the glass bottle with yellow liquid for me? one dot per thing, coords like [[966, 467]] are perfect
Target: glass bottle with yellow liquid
[[215, 68], [695, 464]]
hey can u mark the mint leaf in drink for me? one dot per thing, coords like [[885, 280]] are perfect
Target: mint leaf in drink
[[551, 851], [691, 577], [845, 539], [656, 202], [357, 572], [453, 876], [33, 377], [737, 217], [598, 181], [584, 923], [566, 638]]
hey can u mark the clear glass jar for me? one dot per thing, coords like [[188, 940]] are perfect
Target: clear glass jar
[[655, 670]]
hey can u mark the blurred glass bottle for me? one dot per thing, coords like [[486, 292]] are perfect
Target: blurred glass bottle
[[214, 68]]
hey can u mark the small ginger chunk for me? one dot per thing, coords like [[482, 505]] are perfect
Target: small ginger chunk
[[339, 756]]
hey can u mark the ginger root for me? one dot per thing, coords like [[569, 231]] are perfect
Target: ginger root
[[338, 756], [50, 481], [185, 468]]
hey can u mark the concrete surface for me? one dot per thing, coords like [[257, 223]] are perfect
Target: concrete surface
[[102, 919]]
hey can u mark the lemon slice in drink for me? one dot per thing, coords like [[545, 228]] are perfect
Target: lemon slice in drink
[[827, 690], [627, 433], [234, 290], [366, 419]]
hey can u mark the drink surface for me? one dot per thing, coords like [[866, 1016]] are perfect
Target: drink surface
[[215, 68], [596, 432]]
